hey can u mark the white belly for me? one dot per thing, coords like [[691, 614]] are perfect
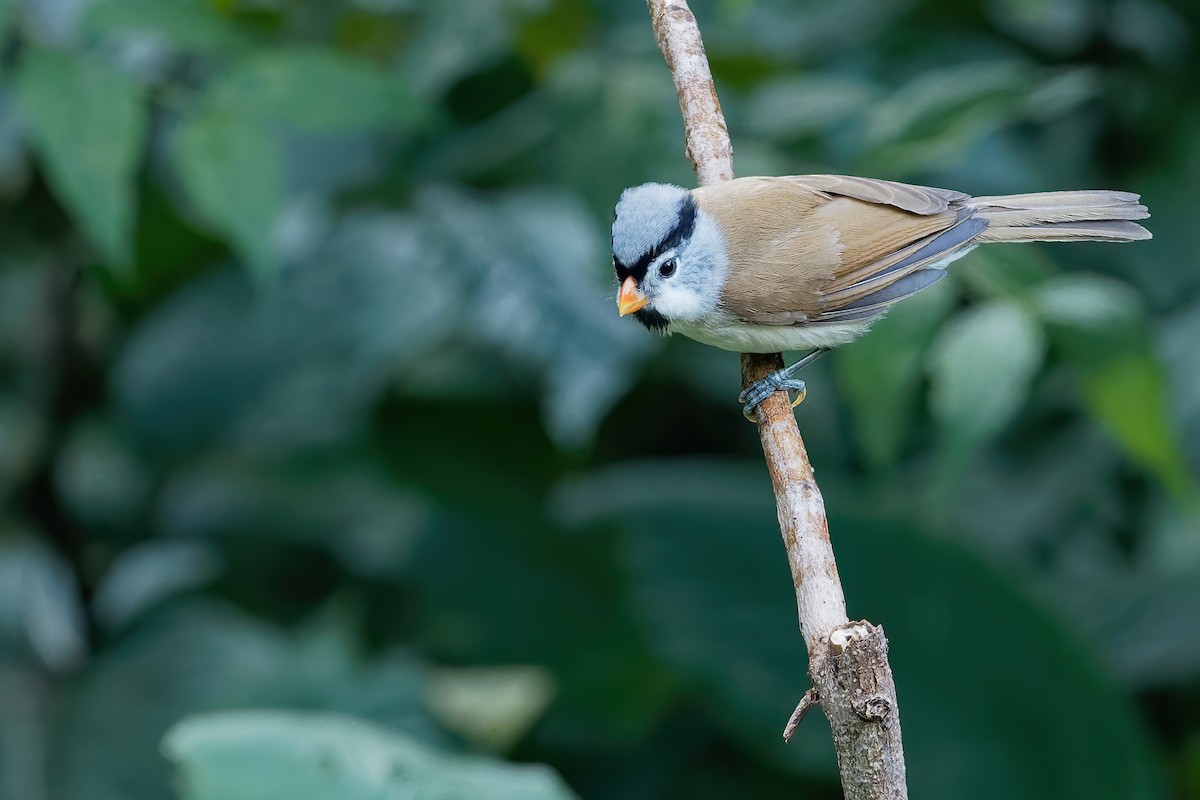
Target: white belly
[[743, 337]]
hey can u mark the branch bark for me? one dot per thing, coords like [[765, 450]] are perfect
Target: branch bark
[[848, 664]]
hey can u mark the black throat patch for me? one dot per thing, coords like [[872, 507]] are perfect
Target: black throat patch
[[676, 236], [654, 321]]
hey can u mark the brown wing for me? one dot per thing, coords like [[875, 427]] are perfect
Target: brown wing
[[904, 196], [823, 248]]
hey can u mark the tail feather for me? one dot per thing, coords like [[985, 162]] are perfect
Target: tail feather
[[1095, 215]]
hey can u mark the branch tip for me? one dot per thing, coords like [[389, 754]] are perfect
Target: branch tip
[[810, 699]]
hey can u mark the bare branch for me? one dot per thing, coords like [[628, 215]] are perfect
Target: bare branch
[[704, 129], [847, 661]]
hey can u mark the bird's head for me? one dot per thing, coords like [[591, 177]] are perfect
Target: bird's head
[[669, 256]]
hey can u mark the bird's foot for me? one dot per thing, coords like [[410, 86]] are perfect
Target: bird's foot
[[778, 381]]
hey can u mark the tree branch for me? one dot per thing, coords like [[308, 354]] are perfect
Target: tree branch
[[848, 664]]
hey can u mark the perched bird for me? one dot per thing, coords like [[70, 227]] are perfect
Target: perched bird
[[764, 265]]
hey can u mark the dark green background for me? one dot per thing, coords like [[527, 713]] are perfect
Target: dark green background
[[313, 398]]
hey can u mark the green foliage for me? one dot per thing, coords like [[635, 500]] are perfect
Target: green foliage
[[881, 374], [190, 26], [88, 123], [313, 90], [313, 399], [734, 635]]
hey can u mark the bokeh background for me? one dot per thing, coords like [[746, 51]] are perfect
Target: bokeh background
[[325, 456]]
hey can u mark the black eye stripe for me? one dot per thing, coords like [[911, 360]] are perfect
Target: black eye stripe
[[683, 230]]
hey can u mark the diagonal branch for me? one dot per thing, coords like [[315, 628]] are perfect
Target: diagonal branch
[[847, 661]]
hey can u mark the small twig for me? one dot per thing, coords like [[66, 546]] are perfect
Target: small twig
[[805, 705], [847, 661]]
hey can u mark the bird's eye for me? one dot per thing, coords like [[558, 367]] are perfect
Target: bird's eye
[[667, 268]]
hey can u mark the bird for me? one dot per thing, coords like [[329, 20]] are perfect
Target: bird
[[810, 262]]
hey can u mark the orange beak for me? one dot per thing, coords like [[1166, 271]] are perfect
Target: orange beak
[[630, 298]]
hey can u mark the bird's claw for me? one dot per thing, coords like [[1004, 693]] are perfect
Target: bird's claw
[[763, 388]]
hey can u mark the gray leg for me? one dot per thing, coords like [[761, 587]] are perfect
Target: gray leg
[[780, 380]]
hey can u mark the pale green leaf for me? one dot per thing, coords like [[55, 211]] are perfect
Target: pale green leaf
[[982, 364], [1090, 303], [314, 90], [1128, 395], [265, 755], [230, 168], [494, 706], [88, 123]]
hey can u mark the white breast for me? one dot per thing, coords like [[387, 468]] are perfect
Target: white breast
[[719, 330]]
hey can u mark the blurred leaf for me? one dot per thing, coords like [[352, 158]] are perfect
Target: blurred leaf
[[491, 706], [40, 610], [8, 16], [368, 522], [314, 90], [88, 124], [1055, 25], [792, 32], [188, 24], [1093, 304], [275, 370], [456, 37], [1007, 271], [202, 657], [880, 374], [712, 585], [257, 755], [1128, 395], [14, 160], [1146, 644], [101, 481], [798, 106], [231, 170], [22, 432], [516, 601], [1179, 336], [145, 575], [942, 113], [533, 261], [983, 363]]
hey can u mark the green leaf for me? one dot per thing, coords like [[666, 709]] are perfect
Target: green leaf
[[188, 24], [989, 682], [314, 90], [982, 365], [230, 168], [880, 374], [88, 124], [263, 755], [1128, 395]]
